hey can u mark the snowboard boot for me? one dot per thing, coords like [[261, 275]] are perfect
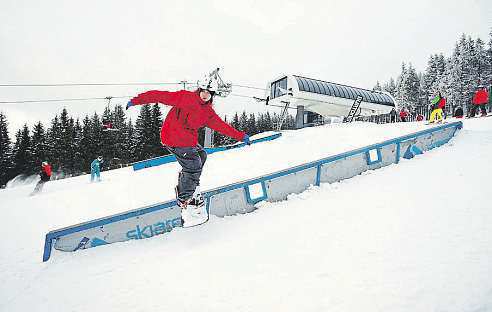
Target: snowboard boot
[[196, 204], [193, 210], [182, 203]]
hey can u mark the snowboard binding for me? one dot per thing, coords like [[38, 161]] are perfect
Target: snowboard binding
[[193, 210]]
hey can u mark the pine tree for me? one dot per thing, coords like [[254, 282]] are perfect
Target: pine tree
[[400, 85], [275, 121], [54, 141], [90, 141], [39, 145], [243, 122], [66, 144], [412, 87], [390, 87], [156, 124], [429, 78], [131, 143], [459, 74], [268, 122], [469, 70], [107, 138], [235, 121], [78, 163], [251, 125], [85, 145], [440, 82], [97, 135], [5, 151], [260, 121], [22, 152], [488, 64], [289, 122], [121, 137], [144, 134], [107, 116], [377, 87], [480, 61]]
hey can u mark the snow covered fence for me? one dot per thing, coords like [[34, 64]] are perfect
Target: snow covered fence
[[241, 197]]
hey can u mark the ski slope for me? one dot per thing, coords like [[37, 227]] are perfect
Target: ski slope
[[411, 237]]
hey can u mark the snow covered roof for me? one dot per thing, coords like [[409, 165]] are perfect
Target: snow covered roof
[[342, 91]]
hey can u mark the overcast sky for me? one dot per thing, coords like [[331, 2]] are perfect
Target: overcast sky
[[351, 42]]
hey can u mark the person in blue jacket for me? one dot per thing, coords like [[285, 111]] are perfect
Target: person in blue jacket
[[96, 168]]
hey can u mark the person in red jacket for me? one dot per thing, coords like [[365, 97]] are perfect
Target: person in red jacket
[[45, 176], [480, 99], [403, 115], [191, 110]]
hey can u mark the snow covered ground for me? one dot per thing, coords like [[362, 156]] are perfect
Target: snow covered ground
[[411, 237]]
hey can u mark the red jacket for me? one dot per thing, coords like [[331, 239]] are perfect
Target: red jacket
[[47, 169], [481, 97], [442, 103], [189, 113]]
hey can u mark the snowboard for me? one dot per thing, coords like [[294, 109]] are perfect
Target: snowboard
[[37, 189], [435, 123]]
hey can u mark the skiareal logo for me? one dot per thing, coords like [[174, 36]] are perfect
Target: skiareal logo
[[153, 229]]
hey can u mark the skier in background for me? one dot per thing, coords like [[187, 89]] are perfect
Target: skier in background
[[45, 176], [96, 168], [191, 110], [458, 113], [437, 105], [403, 115], [480, 99]]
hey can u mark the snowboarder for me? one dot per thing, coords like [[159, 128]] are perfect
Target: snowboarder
[[190, 111], [45, 176], [480, 99], [96, 168], [437, 105]]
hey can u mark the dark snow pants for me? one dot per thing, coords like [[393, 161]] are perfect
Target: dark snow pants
[[475, 108], [39, 186], [191, 160]]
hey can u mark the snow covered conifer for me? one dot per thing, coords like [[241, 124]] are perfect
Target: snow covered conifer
[[22, 152], [5, 151], [39, 146]]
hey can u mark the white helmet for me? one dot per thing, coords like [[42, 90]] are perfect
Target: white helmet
[[208, 83], [44, 163], [100, 158]]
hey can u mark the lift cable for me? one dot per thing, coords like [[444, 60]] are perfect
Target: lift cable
[[92, 99], [63, 100], [90, 84], [185, 82]]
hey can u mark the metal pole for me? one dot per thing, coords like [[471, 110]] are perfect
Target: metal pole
[[209, 138], [300, 117]]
